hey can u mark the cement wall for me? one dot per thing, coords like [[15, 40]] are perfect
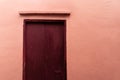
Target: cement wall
[[93, 37]]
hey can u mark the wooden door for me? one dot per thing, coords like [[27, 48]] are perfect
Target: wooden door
[[44, 50]]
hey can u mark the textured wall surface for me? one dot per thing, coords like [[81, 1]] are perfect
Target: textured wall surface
[[93, 37]]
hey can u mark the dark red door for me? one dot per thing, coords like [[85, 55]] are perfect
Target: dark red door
[[44, 50]]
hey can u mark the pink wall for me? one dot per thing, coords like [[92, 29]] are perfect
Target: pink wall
[[93, 40]]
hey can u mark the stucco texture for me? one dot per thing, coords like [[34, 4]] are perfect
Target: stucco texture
[[93, 37]]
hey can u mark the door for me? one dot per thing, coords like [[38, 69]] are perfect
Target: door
[[44, 50]]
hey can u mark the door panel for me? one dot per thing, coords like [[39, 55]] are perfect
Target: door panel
[[44, 45]]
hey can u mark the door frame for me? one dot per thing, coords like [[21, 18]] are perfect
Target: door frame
[[24, 46]]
